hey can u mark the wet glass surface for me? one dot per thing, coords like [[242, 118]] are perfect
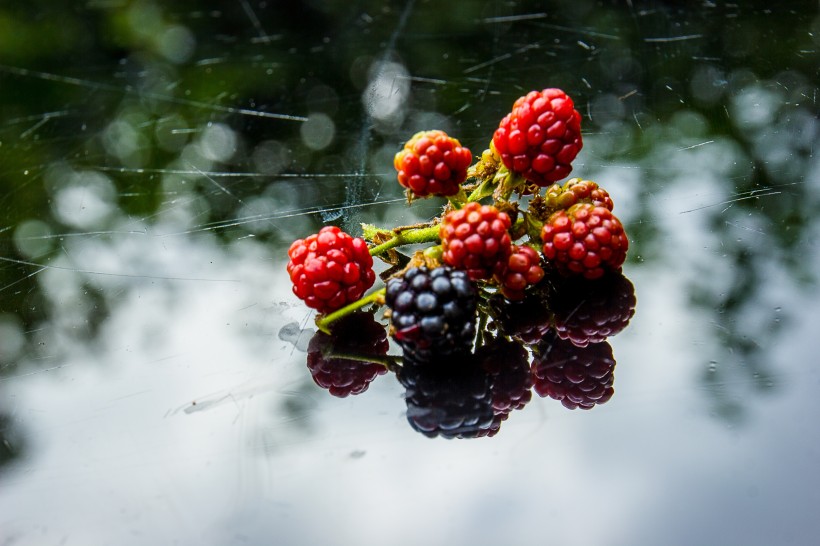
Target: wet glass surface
[[157, 160]]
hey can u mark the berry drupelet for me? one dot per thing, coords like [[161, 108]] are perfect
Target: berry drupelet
[[475, 239], [584, 240], [577, 190], [330, 269], [357, 335], [432, 163], [540, 138], [433, 311]]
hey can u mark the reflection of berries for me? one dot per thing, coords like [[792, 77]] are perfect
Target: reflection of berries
[[584, 240], [527, 320], [357, 335], [432, 163], [475, 238], [508, 364], [540, 137], [330, 269], [590, 311], [448, 397], [578, 377], [433, 311], [521, 269], [576, 190]]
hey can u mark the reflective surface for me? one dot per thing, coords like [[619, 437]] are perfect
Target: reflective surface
[[157, 160]]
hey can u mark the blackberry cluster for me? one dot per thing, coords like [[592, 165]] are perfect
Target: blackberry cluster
[[356, 334], [433, 311], [448, 397]]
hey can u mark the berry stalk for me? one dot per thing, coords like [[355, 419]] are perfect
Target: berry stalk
[[413, 236], [324, 322]]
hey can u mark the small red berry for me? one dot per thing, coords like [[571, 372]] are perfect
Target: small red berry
[[330, 269], [521, 269], [584, 240], [432, 163], [577, 190], [475, 238], [540, 137]]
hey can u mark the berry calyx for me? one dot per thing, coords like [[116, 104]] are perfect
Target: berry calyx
[[432, 163], [475, 239], [540, 137], [522, 268], [433, 311], [356, 335], [584, 240], [330, 269]]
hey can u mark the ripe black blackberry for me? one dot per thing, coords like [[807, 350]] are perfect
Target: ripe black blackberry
[[357, 334], [433, 311], [448, 397], [579, 377]]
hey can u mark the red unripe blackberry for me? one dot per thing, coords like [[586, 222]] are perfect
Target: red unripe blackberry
[[540, 137], [577, 377], [448, 396], [330, 269], [432, 311], [584, 240], [521, 269], [357, 334], [590, 311], [432, 163], [475, 239], [508, 364], [577, 190]]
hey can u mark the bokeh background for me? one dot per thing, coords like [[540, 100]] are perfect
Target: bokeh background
[[157, 159]]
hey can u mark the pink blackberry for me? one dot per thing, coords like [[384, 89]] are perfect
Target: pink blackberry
[[591, 311], [540, 137], [433, 311], [432, 163], [577, 190], [522, 268], [357, 334], [330, 269], [577, 377], [584, 240], [475, 239]]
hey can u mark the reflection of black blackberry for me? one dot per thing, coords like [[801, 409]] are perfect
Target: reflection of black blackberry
[[433, 311], [580, 377], [449, 398], [508, 364], [329, 359]]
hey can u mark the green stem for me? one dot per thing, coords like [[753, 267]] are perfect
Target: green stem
[[323, 322], [388, 361], [409, 237], [485, 189]]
